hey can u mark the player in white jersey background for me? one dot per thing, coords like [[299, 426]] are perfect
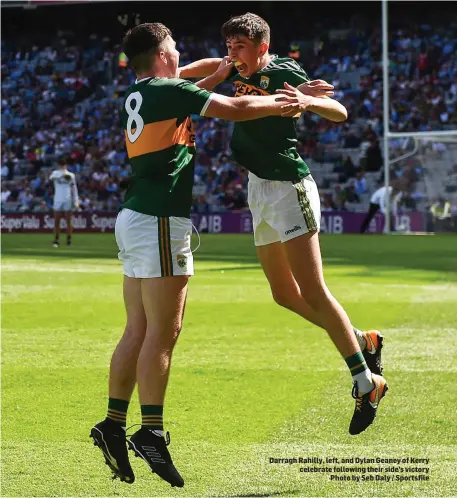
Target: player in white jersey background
[[65, 199]]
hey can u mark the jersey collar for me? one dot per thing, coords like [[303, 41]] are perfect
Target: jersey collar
[[273, 58], [143, 79]]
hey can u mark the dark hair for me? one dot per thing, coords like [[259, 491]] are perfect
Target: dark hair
[[250, 25], [143, 41]]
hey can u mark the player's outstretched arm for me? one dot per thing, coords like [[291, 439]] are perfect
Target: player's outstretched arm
[[294, 101], [330, 109], [243, 108], [221, 74], [199, 69]]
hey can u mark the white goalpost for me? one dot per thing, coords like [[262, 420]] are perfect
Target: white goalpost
[[448, 137]]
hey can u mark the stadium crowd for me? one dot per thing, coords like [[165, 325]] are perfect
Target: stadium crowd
[[62, 99]]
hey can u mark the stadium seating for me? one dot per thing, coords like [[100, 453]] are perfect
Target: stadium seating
[[60, 99]]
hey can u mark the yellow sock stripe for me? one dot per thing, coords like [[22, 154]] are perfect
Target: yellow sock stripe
[[357, 366], [117, 412], [116, 417]]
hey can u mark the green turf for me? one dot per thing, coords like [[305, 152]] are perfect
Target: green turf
[[249, 381]]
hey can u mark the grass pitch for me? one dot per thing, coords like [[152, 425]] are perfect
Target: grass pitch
[[250, 381]]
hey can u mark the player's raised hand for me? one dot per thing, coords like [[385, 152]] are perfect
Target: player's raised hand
[[317, 88], [225, 68], [295, 101]]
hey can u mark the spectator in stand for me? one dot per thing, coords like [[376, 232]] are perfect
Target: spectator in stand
[[373, 156], [240, 201], [61, 96], [99, 180], [339, 198], [346, 169], [39, 184], [86, 204], [233, 198], [6, 193], [5, 171], [327, 203], [361, 183], [351, 195], [349, 168], [25, 200], [42, 207], [115, 167], [112, 186]]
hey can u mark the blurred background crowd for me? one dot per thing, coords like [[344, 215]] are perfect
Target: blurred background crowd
[[62, 94]]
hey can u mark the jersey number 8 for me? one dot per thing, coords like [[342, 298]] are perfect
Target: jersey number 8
[[134, 117]]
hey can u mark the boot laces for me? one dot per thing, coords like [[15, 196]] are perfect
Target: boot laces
[[358, 399]]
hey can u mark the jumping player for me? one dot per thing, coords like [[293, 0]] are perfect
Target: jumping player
[[153, 235], [284, 200]]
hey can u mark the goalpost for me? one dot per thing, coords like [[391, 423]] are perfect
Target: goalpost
[[415, 145]]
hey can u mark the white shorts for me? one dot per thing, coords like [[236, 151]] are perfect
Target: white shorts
[[63, 205], [283, 210], [154, 247]]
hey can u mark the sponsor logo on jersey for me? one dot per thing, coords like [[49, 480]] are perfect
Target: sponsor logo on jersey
[[292, 230], [181, 260], [245, 89], [264, 82]]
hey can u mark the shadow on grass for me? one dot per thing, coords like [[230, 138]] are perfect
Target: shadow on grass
[[376, 253], [372, 255]]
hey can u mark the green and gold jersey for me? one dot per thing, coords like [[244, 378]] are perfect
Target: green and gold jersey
[[160, 141], [267, 146]]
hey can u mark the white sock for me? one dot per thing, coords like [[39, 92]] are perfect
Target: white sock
[[364, 381]]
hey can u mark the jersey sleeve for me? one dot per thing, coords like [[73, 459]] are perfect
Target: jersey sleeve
[[187, 98], [295, 78]]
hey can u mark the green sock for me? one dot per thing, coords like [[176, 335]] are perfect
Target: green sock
[[152, 417], [117, 410], [360, 372], [360, 339]]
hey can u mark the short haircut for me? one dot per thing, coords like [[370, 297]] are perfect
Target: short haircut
[[250, 25], [142, 42]]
